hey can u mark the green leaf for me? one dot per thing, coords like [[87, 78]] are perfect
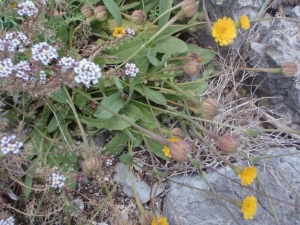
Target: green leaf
[[126, 159], [114, 10], [117, 144], [101, 85], [198, 87], [113, 102], [59, 96], [28, 183], [152, 57], [132, 111], [141, 60], [154, 96], [156, 148], [119, 52], [81, 99], [118, 83], [208, 71], [164, 5], [113, 123], [171, 45]]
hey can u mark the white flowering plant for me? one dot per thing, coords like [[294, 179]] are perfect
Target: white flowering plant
[[71, 71]]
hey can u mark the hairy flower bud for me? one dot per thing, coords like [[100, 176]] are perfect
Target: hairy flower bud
[[146, 218], [176, 133], [209, 108], [191, 68], [289, 69], [228, 144], [91, 166], [192, 56], [138, 17], [189, 8], [101, 13], [180, 151], [87, 11]]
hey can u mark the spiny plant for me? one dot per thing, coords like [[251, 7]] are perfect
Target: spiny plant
[[71, 70]]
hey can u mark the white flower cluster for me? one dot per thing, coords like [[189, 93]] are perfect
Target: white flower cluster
[[43, 52], [22, 69], [87, 72], [9, 221], [66, 62], [131, 69], [8, 144], [6, 67], [129, 32], [108, 162], [14, 41], [43, 77], [57, 181], [27, 8]]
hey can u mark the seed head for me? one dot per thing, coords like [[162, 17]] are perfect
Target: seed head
[[209, 108], [289, 69], [191, 68], [138, 17], [180, 151]]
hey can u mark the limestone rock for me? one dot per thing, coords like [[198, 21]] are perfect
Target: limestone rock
[[143, 189], [195, 207]]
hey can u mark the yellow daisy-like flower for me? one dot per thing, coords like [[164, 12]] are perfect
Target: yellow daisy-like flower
[[249, 207], [244, 21], [224, 31], [162, 221], [166, 150], [248, 175], [119, 32]]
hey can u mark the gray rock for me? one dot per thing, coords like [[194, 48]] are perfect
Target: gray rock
[[196, 208], [296, 12], [143, 189]]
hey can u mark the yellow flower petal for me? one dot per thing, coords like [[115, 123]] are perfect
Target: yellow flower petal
[[162, 221], [166, 150], [245, 23], [249, 207], [248, 175], [224, 31], [119, 32]]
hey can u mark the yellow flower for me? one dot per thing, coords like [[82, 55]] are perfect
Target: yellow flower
[[249, 207], [224, 31], [162, 221], [244, 21], [248, 175], [119, 32], [166, 150]]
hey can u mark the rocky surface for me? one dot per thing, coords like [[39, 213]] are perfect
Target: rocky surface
[[143, 189], [194, 207]]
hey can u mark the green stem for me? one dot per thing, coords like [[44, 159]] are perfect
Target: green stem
[[185, 94], [266, 70], [85, 141]]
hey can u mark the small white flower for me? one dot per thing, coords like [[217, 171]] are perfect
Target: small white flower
[[57, 181], [129, 32], [131, 69], [9, 144], [9, 221], [27, 8], [87, 72], [66, 62], [23, 70], [6, 67], [44, 53]]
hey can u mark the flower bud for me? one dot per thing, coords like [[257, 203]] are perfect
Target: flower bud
[[91, 166], [209, 108], [180, 151], [289, 69], [189, 8], [146, 218], [101, 13], [192, 56], [87, 11], [228, 144], [138, 17], [191, 68], [176, 133]]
